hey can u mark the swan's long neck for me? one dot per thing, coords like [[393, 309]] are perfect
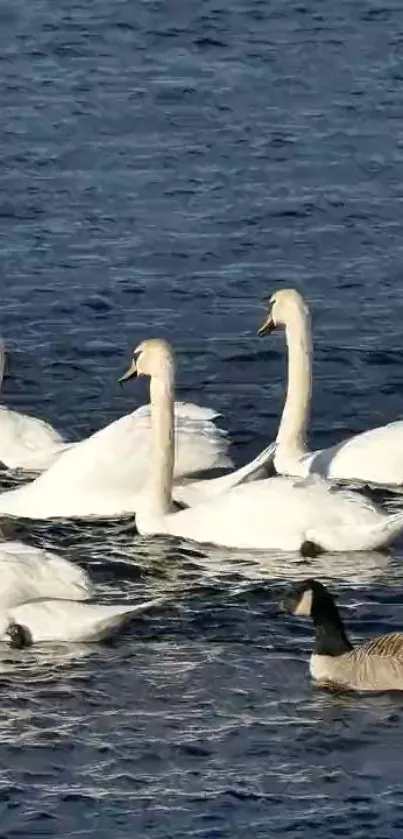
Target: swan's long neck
[[163, 443], [294, 421], [2, 363]]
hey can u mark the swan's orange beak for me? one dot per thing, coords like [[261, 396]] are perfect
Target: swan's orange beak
[[267, 326], [131, 373]]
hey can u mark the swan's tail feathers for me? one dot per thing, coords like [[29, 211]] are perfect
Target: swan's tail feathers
[[393, 529], [382, 534], [373, 537], [116, 617], [195, 492], [148, 605], [195, 413], [257, 468], [186, 411], [2, 361], [261, 467]]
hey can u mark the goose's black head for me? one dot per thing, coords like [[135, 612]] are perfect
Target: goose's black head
[[306, 598], [311, 599]]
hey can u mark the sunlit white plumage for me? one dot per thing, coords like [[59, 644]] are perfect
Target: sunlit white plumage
[[283, 513], [44, 594], [27, 443], [191, 493], [27, 573], [68, 621], [104, 475], [374, 456], [279, 513]]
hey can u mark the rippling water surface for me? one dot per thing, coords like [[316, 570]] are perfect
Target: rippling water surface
[[163, 169]]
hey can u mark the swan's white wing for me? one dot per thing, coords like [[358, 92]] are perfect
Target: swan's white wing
[[104, 474], [28, 443], [280, 513], [100, 476], [375, 456], [194, 492], [27, 573], [256, 515], [69, 621], [200, 444], [185, 411]]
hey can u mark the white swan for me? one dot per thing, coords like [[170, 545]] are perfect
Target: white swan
[[67, 621], [374, 456], [104, 475], [273, 513], [26, 443]]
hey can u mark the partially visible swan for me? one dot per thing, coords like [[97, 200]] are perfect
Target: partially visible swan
[[104, 475], [376, 665], [374, 456], [67, 621], [273, 513], [26, 443], [28, 573], [41, 598]]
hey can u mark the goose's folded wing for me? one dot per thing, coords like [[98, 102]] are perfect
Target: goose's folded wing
[[386, 646], [375, 666]]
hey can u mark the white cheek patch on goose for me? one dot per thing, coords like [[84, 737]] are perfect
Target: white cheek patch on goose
[[304, 605]]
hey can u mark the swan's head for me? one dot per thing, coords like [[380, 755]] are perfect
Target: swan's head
[[152, 358], [284, 306]]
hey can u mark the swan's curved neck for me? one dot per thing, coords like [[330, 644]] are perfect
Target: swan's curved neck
[[2, 364], [163, 444], [294, 421]]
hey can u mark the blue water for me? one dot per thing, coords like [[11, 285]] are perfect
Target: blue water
[[164, 167]]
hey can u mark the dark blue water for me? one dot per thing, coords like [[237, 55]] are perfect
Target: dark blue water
[[164, 167]]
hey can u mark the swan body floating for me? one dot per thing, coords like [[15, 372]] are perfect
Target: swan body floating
[[374, 456], [27, 443], [67, 621], [104, 475], [278, 513], [373, 666]]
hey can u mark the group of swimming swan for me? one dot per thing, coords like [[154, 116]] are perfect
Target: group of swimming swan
[[147, 461], [376, 665]]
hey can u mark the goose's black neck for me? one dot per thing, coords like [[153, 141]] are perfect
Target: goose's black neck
[[330, 635]]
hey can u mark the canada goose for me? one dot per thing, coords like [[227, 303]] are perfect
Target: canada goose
[[376, 665]]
